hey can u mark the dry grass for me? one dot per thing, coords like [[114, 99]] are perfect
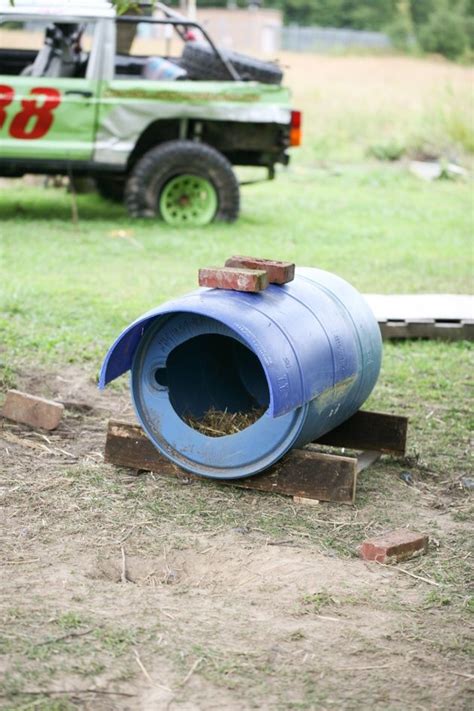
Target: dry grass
[[354, 103], [218, 423]]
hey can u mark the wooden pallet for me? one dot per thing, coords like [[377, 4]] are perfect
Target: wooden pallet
[[305, 474], [446, 317], [428, 328]]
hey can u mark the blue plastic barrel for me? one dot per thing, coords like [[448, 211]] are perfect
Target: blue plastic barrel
[[307, 353]]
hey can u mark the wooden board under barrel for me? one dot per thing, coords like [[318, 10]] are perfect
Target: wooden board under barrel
[[302, 473]]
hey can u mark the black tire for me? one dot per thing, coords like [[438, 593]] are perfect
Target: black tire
[[111, 187], [201, 62], [169, 160]]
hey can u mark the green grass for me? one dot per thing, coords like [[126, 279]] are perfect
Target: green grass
[[67, 291]]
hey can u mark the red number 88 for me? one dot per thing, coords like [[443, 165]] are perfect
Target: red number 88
[[31, 110]]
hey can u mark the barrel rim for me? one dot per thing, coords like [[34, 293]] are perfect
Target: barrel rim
[[265, 451]]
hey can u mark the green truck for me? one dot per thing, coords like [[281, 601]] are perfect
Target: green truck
[[86, 92]]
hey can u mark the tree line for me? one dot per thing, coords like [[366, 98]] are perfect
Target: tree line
[[442, 26]]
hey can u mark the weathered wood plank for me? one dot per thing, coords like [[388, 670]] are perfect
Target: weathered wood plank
[[419, 307], [303, 473], [310, 475], [436, 330], [370, 430]]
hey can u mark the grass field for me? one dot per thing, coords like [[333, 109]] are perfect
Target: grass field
[[69, 289], [390, 106], [237, 600]]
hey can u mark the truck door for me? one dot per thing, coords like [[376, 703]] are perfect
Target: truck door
[[48, 103]]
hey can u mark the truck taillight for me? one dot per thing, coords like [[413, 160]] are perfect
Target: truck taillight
[[295, 128]]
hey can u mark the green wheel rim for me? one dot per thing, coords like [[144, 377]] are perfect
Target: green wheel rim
[[188, 200]]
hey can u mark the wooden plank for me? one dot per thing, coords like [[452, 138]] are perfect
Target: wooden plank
[[467, 330], [393, 329], [455, 331], [311, 475], [418, 307], [434, 330], [370, 430]]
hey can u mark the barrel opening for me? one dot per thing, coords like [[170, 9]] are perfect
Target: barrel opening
[[215, 384]]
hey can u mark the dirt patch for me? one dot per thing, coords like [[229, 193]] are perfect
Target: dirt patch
[[77, 388], [139, 592]]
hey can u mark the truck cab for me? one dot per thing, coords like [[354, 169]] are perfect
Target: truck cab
[[145, 103]]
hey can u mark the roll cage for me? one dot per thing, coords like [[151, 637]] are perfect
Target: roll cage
[[180, 24]]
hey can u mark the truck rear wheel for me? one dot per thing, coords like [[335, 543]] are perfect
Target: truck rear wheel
[[184, 183]]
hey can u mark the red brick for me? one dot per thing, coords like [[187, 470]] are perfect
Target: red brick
[[278, 272], [394, 546], [235, 279], [33, 411]]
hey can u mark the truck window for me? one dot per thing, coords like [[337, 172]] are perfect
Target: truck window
[[147, 50], [41, 48]]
